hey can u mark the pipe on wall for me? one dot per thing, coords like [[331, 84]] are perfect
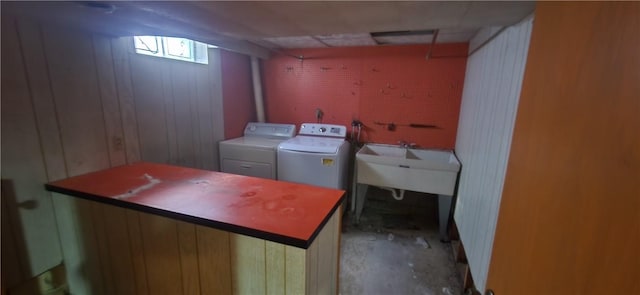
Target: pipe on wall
[[257, 88]]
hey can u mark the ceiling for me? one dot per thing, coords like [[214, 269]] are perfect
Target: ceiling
[[259, 27]]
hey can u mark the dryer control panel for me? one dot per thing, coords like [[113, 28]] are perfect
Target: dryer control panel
[[270, 130], [319, 129]]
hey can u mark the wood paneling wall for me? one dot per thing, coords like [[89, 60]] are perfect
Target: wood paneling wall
[[140, 253], [75, 102], [489, 103], [24, 171]]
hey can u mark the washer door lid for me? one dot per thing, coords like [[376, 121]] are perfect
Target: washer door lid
[[312, 144]]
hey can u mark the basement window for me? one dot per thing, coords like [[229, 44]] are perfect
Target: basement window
[[171, 47]]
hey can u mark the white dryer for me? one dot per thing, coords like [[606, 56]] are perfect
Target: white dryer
[[318, 155], [255, 153]]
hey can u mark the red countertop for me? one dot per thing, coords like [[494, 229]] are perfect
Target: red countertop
[[278, 211]]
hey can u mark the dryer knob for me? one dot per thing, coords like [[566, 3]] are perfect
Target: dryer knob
[[323, 130]]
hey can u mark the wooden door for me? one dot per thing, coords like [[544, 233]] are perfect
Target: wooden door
[[569, 220]]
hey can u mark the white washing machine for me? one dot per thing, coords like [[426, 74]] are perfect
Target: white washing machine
[[255, 153], [318, 155]]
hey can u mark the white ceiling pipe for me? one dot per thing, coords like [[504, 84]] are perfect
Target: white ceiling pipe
[[257, 88]]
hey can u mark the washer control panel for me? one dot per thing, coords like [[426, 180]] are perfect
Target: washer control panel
[[319, 129], [270, 130]]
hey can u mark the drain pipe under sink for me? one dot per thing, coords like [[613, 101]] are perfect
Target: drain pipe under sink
[[394, 192], [257, 88]]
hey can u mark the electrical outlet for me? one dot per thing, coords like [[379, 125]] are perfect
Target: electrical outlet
[[118, 143]]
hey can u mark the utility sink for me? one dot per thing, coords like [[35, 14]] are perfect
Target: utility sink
[[381, 154], [422, 170], [398, 168]]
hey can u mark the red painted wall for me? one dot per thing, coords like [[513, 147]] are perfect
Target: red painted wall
[[237, 93], [373, 84]]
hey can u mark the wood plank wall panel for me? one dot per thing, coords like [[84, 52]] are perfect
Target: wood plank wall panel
[[169, 108], [275, 263], [120, 53], [43, 103], [137, 252], [93, 216], [109, 100], [119, 246], [489, 102], [28, 205], [189, 258], [311, 272], [181, 81], [328, 257], [176, 110], [248, 265], [204, 108], [147, 79], [569, 219], [162, 254], [215, 85], [337, 228], [75, 102], [215, 260], [89, 261], [71, 64], [295, 270], [129, 252], [195, 115]]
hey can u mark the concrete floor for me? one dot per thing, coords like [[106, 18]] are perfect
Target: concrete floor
[[396, 248]]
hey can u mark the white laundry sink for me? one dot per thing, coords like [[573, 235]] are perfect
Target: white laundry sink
[[381, 154], [399, 168], [421, 170]]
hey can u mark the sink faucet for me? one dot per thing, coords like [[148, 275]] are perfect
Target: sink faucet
[[406, 145]]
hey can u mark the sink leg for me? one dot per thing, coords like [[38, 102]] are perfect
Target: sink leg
[[361, 195], [352, 207], [444, 208], [354, 189]]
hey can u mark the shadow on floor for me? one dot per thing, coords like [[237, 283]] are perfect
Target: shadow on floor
[[396, 249]]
